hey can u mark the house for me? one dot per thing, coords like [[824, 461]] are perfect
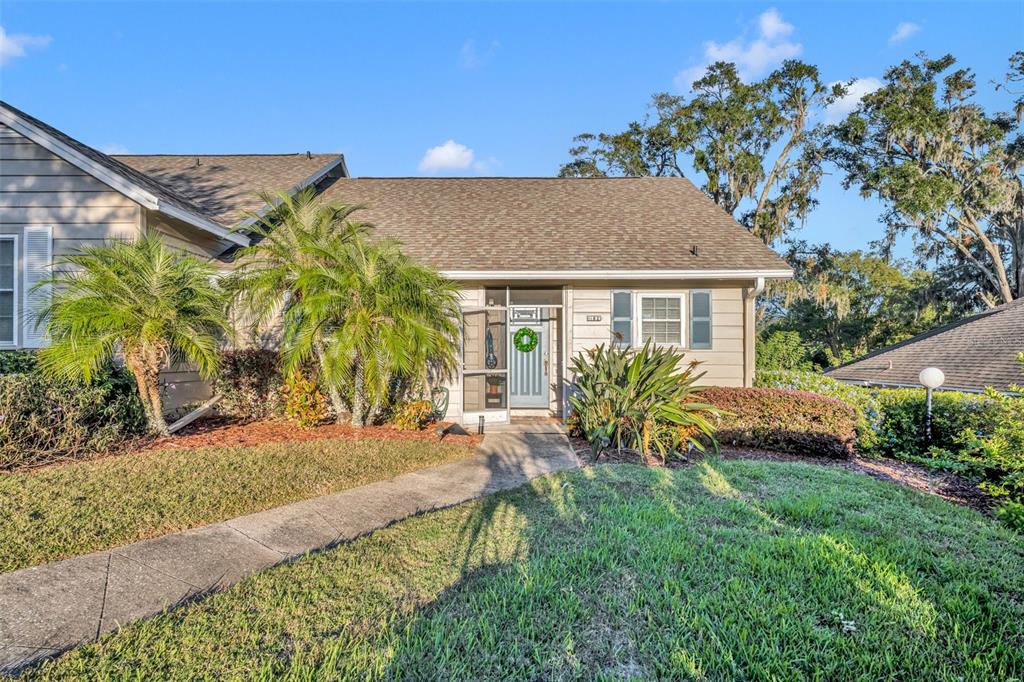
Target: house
[[973, 353], [560, 264]]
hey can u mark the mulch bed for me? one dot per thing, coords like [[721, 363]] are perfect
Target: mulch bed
[[948, 486], [223, 432]]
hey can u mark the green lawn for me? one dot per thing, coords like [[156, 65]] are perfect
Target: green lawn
[[81, 507], [727, 570]]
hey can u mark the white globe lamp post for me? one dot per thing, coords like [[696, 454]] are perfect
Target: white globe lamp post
[[931, 378]]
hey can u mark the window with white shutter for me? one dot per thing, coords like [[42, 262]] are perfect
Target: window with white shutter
[[8, 290], [37, 267]]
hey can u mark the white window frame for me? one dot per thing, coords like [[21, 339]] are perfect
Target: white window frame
[[638, 316], [13, 343]]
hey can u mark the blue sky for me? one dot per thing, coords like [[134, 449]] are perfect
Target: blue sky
[[459, 89]]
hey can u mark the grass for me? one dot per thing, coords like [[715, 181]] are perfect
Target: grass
[[81, 507], [726, 570]]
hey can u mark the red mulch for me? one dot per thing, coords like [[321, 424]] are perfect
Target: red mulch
[[948, 486], [223, 432]]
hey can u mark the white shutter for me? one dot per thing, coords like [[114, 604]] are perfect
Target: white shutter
[[38, 262]]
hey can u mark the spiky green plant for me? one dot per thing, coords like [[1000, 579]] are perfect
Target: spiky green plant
[[645, 399], [386, 325], [153, 305], [285, 234]]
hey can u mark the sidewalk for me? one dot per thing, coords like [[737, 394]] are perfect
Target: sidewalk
[[47, 609]]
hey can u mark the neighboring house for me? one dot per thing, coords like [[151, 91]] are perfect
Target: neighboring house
[[578, 262], [974, 353]]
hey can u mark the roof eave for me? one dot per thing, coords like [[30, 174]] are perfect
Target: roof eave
[[517, 275], [115, 180]]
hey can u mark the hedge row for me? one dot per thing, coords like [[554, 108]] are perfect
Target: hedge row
[[43, 421], [784, 420]]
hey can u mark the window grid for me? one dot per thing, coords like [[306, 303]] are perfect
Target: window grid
[[661, 319]]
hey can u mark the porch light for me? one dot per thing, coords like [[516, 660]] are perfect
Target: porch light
[[931, 378]]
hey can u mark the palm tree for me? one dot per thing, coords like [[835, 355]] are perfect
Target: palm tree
[[264, 283], [387, 325], [152, 304]]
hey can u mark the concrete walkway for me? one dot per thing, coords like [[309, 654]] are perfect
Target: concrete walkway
[[47, 609]]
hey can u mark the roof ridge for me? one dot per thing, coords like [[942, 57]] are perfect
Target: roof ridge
[[189, 156], [512, 177]]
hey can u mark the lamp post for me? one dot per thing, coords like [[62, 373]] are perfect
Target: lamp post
[[931, 378]]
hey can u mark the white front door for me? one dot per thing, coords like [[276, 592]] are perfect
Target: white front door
[[528, 375]]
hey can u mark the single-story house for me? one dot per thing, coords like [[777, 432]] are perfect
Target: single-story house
[[973, 353], [578, 262]]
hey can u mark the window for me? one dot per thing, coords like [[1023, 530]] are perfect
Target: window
[[661, 319], [622, 318], [700, 320], [8, 290]]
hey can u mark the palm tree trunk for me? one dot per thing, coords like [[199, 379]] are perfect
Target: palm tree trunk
[[358, 398], [337, 404], [147, 382]]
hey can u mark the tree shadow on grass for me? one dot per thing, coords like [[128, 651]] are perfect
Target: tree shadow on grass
[[592, 598]]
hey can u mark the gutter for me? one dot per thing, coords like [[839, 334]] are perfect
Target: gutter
[[529, 275]]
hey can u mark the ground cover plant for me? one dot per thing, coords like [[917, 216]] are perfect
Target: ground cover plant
[[722, 570], [76, 508]]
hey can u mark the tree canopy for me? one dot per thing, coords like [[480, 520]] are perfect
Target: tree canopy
[[753, 145], [947, 171]]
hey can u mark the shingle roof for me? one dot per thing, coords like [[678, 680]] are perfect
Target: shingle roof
[[973, 353], [486, 224], [224, 186], [114, 165]]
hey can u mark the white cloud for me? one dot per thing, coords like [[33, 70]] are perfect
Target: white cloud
[[14, 45], [447, 157], [903, 31], [772, 26], [753, 58], [839, 109], [115, 148], [470, 57]]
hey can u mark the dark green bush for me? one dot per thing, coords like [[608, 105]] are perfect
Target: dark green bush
[[17, 361], [644, 399], [901, 419], [784, 420], [43, 421], [250, 383]]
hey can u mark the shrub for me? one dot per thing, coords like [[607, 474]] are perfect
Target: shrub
[[17, 361], [43, 421], [863, 401], [644, 399], [902, 412], [249, 384], [413, 415], [784, 420], [304, 404], [783, 351]]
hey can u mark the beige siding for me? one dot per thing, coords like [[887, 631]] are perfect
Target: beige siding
[[39, 188], [185, 237], [724, 363]]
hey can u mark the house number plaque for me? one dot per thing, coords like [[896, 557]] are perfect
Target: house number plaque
[[593, 318]]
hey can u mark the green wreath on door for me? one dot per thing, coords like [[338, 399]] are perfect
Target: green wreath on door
[[525, 340]]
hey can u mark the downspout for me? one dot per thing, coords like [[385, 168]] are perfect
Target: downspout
[[749, 297]]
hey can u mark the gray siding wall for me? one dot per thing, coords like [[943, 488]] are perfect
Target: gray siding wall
[[38, 188]]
